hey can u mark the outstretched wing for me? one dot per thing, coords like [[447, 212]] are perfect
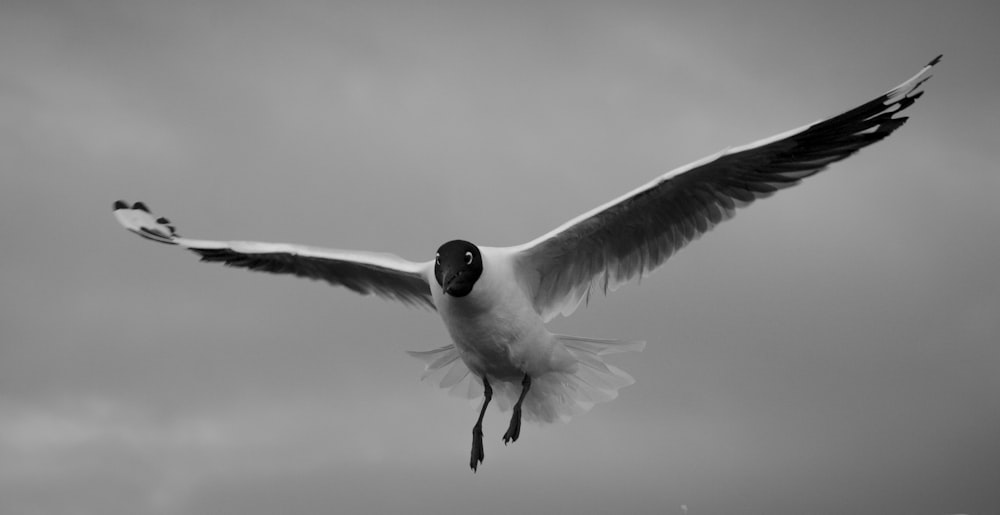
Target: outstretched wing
[[637, 232], [385, 275]]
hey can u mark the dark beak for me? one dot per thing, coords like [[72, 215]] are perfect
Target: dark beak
[[449, 280]]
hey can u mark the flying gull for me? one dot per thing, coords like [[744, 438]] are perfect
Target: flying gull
[[495, 301]]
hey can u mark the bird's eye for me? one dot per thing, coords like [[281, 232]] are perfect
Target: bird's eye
[[468, 258], [437, 258]]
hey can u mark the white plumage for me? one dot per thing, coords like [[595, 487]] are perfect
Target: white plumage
[[495, 301]]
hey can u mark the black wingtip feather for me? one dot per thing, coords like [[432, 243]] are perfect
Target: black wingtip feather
[[903, 104], [120, 204], [935, 60], [140, 205]]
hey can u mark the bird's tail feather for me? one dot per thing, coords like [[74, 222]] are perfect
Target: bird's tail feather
[[558, 395], [444, 368], [562, 395]]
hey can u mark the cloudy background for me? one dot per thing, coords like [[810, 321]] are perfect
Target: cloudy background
[[831, 350]]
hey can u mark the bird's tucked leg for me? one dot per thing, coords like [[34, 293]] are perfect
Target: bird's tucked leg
[[514, 430], [477, 430]]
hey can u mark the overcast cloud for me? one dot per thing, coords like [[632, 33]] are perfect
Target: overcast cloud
[[833, 349]]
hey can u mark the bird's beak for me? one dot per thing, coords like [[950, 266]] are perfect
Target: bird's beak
[[449, 279]]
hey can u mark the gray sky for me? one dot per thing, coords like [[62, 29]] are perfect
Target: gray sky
[[832, 349]]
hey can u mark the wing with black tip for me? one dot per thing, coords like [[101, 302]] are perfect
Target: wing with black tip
[[638, 231], [384, 275]]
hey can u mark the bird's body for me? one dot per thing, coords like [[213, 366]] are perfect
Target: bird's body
[[495, 301], [495, 328], [497, 333]]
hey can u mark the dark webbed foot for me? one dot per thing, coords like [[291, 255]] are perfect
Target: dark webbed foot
[[477, 430], [477, 448], [514, 430]]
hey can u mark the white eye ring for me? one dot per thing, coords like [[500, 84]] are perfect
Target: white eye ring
[[468, 258]]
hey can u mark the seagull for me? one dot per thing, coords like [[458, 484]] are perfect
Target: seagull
[[495, 301]]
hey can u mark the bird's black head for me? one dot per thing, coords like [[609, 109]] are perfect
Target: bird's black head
[[457, 267]]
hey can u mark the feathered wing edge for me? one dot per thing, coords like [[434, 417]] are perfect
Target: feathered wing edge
[[553, 396], [635, 233], [384, 275]]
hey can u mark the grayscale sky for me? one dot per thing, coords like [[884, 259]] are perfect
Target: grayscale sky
[[833, 349]]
